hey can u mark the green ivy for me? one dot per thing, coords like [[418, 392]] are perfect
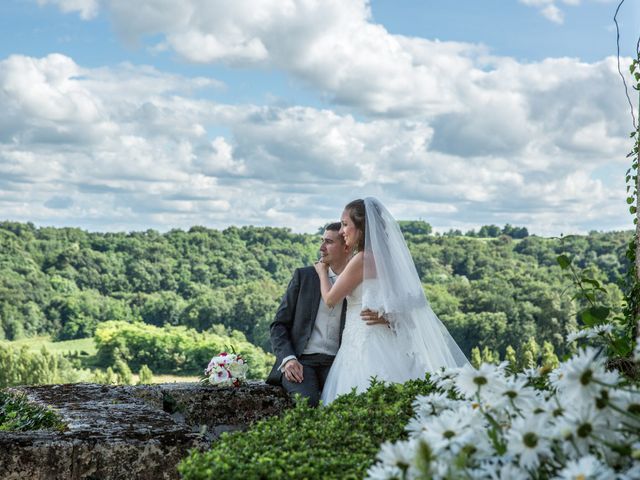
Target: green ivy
[[337, 441], [18, 415]]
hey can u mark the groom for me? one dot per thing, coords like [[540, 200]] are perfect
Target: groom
[[306, 334]]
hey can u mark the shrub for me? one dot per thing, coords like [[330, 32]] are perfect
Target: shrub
[[337, 441], [145, 376], [173, 349], [19, 366], [18, 415]]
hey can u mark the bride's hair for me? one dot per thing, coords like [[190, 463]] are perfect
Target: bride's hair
[[358, 215]]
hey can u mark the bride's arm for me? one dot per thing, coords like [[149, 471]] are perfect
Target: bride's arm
[[349, 279]]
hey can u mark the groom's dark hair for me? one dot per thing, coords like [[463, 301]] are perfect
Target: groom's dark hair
[[334, 227]]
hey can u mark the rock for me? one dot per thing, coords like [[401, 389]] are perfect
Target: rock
[[130, 432]]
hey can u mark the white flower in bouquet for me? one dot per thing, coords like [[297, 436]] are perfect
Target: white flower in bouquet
[[226, 369], [218, 375], [238, 369]]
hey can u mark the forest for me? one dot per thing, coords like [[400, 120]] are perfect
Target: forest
[[494, 288]]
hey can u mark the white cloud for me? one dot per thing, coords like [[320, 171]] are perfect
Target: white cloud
[[332, 45], [140, 146], [87, 9], [437, 129], [551, 10], [553, 13]]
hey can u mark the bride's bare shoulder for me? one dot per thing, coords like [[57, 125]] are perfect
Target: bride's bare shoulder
[[358, 258]]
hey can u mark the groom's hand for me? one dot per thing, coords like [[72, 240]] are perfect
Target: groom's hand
[[292, 371], [372, 317]]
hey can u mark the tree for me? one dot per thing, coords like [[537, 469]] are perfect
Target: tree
[[549, 358], [415, 227], [476, 357], [145, 376]]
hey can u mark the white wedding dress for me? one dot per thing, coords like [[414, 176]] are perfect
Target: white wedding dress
[[416, 341], [366, 351]]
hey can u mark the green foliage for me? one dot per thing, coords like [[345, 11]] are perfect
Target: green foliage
[[145, 376], [415, 227], [632, 281], [549, 358], [108, 377], [510, 357], [122, 372], [172, 349], [476, 357], [18, 415], [490, 292], [339, 441], [598, 307], [19, 366]]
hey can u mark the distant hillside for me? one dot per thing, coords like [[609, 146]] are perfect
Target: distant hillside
[[492, 292]]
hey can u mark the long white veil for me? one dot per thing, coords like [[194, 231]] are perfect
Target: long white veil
[[392, 287]]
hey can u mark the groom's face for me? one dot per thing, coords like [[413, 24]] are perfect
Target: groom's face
[[332, 248]]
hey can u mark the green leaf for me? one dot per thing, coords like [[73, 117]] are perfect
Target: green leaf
[[630, 200], [593, 282], [564, 261], [633, 209], [621, 346], [594, 315]]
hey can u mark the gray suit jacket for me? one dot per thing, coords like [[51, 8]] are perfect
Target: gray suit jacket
[[295, 317]]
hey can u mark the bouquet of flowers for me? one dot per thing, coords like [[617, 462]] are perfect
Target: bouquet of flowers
[[226, 369]]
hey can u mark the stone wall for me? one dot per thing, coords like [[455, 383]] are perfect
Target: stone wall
[[130, 432]]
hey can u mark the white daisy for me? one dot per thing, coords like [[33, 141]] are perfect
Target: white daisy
[[600, 330], [580, 379], [527, 439], [501, 471], [400, 453], [627, 401], [573, 336], [514, 392], [585, 468], [433, 403], [470, 381], [381, 471], [443, 378], [449, 430], [579, 426]]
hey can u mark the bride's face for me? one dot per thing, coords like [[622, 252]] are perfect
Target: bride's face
[[348, 230]]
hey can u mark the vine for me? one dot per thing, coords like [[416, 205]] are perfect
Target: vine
[[632, 290]]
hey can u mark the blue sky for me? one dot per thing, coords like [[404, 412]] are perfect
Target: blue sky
[[162, 114]]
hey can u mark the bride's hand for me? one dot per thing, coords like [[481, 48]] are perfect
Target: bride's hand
[[321, 267]]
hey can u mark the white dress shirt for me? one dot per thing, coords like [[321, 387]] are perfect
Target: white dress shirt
[[325, 336]]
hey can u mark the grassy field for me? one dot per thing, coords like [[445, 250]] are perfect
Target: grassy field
[[36, 343]]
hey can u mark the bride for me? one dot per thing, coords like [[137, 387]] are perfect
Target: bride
[[381, 276]]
